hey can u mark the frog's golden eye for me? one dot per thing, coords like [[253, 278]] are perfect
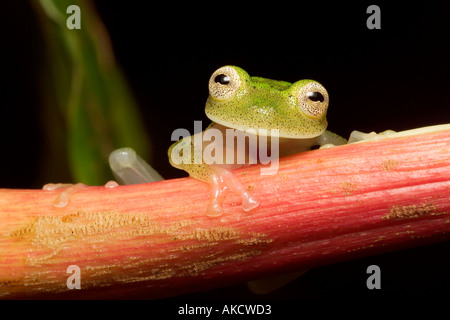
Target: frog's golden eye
[[224, 83], [313, 100]]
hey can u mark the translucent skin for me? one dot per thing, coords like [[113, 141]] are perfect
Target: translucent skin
[[237, 101]]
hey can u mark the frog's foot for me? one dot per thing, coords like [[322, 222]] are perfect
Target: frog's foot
[[63, 199], [358, 136], [327, 146], [329, 139], [111, 184], [222, 180]]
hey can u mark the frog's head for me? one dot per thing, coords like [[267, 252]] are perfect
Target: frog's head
[[239, 101]]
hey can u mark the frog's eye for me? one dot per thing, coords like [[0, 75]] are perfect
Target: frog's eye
[[224, 83], [313, 100]]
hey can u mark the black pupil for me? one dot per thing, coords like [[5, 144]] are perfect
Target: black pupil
[[222, 79], [315, 96]]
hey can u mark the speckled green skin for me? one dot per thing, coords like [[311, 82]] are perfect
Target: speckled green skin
[[265, 104], [258, 103]]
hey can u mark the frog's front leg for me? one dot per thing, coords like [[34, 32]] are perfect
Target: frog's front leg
[[185, 155], [221, 180]]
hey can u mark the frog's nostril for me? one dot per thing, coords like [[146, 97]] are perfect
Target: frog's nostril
[[315, 96]]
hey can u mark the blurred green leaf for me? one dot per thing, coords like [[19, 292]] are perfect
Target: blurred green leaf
[[85, 90]]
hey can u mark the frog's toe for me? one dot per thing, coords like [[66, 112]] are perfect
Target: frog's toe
[[358, 136], [327, 146], [129, 168], [214, 209], [249, 201], [64, 197]]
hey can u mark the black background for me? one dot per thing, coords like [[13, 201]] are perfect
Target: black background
[[394, 78]]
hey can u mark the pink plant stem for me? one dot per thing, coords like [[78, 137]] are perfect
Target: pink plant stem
[[323, 206]]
